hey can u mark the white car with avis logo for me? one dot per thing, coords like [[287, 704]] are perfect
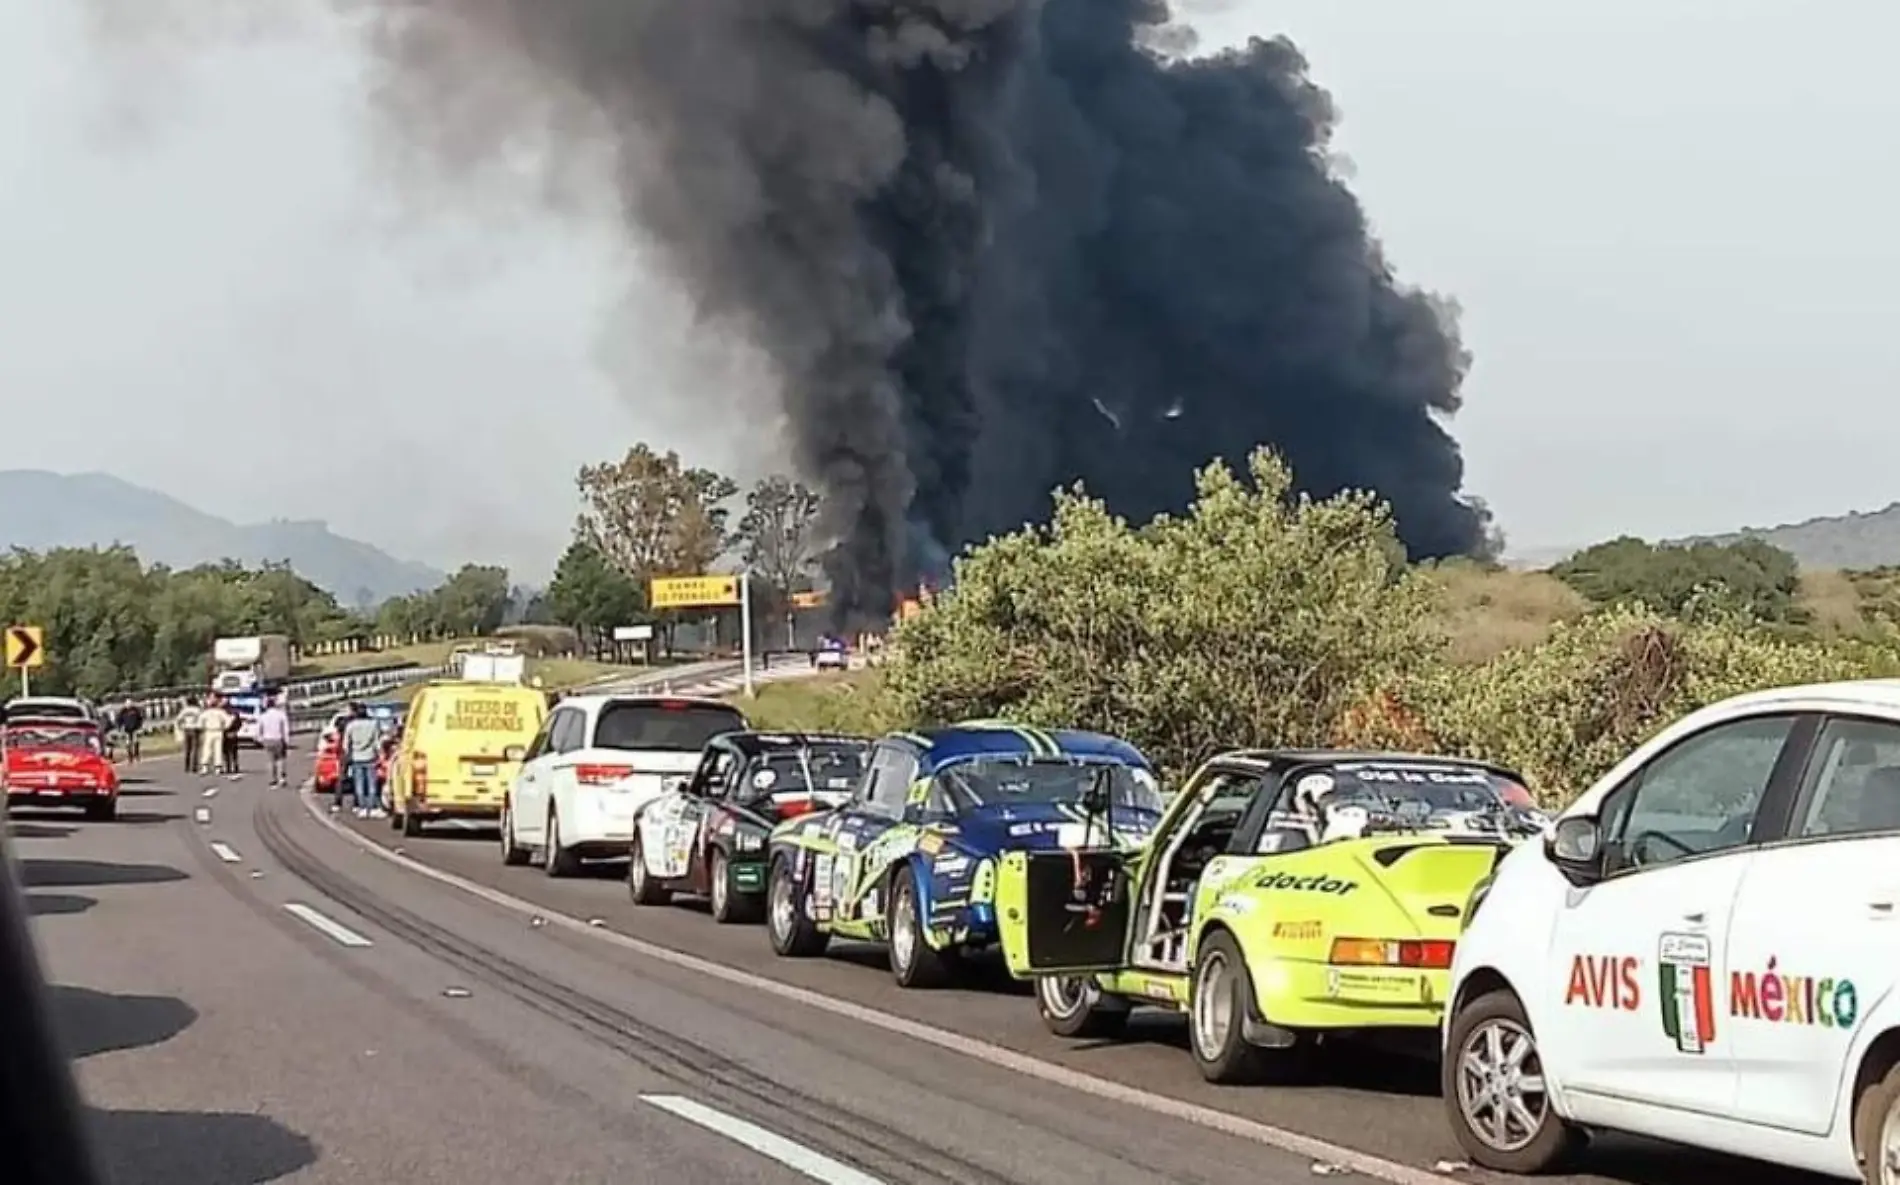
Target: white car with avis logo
[[1703, 949], [596, 761]]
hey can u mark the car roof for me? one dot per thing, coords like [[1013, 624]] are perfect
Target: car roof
[[61, 721], [971, 740], [752, 743], [1280, 760], [594, 701]]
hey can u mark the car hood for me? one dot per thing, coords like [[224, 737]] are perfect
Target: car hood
[[1040, 826]]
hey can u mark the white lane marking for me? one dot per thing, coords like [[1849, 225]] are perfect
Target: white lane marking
[[210, 792], [332, 928], [1377, 1167], [225, 852], [775, 1147]]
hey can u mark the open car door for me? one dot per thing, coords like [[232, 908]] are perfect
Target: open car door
[[1065, 912]]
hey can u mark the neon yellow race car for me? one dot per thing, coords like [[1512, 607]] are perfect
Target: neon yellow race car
[[1284, 897]]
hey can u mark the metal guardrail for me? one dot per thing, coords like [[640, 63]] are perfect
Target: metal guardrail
[[308, 699]]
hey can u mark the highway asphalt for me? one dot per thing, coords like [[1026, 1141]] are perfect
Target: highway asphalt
[[253, 996]]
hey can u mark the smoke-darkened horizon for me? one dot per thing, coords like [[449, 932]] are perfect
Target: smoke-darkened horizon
[[991, 247]]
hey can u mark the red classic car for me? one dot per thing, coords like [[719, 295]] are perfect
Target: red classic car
[[59, 763]]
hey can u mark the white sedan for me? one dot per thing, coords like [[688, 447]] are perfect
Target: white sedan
[[1704, 949]]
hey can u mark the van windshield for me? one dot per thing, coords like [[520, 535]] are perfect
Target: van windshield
[[665, 727]]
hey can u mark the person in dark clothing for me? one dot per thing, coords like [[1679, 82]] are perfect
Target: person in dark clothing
[[131, 723], [231, 744]]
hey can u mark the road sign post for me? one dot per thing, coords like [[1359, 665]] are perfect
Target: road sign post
[[26, 650], [745, 630], [706, 592]]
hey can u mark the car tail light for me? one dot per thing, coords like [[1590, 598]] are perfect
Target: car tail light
[[1429, 954], [419, 776], [514, 753], [600, 775], [792, 808]]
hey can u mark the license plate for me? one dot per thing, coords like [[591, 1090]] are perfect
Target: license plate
[[482, 771]]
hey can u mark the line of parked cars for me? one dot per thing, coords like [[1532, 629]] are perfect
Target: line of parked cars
[[1700, 948]]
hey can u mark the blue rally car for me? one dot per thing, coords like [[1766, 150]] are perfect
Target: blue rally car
[[910, 860]]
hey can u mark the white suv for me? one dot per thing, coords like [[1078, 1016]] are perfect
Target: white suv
[[596, 761], [1704, 949]]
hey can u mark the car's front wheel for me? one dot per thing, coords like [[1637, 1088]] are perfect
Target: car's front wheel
[[1072, 1006], [794, 935], [1495, 1093], [729, 908]]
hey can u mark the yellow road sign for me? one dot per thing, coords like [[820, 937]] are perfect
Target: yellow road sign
[[807, 600], [685, 592], [26, 647]]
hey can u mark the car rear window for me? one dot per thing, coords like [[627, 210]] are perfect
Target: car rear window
[[668, 727], [51, 736]]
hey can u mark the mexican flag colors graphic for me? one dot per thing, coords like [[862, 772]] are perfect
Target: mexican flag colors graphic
[[1688, 995]]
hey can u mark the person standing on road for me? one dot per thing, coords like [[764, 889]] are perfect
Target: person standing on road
[[131, 722], [189, 734], [212, 723], [361, 742], [231, 726], [273, 732]]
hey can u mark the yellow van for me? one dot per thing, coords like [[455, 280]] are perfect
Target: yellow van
[[460, 750]]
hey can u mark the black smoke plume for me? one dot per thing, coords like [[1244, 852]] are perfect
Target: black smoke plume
[[994, 246]]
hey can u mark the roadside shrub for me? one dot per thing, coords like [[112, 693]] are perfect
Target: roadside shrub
[[1256, 619], [1564, 712]]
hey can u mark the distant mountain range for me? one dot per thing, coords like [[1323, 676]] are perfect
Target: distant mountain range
[[1855, 541], [41, 510]]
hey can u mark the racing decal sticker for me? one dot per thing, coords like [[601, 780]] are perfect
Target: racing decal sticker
[[1779, 998], [1306, 884], [1686, 991], [1604, 981], [1297, 931]]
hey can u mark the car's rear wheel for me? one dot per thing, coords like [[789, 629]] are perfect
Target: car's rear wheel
[[914, 962], [1495, 1093], [512, 853], [640, 883], [1073, 1006], [411, 823], [1877, 1130], [729, 908], [555, 859], [1219, 1001], [794, 935]]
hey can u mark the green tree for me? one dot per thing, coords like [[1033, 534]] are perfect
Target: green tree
[[651, 515], [1749, 578], [1256, 619], [591, 595], [473, 601], [776, 538]]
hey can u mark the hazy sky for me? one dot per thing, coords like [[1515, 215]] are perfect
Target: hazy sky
[[1671, 226]]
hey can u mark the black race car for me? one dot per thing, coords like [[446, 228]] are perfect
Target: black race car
[[707, 837]]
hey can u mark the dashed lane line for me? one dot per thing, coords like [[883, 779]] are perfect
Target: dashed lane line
[[226, 852], [791, 1154], [336, 931], [1299, 1144]]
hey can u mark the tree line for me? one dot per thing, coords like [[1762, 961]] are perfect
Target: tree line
[[114, 624]]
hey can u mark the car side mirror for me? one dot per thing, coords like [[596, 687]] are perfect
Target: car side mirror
[[1575, 846]]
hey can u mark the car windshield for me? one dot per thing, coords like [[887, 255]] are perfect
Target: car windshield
[[51, 736], [1403, 789], [824, 768], [997, 781], [667, 726]]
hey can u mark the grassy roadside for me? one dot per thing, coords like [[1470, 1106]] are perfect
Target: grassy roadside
[[817, 703], [426, 654]]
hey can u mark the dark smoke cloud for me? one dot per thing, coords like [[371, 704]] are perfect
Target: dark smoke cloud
[[992, 246]]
